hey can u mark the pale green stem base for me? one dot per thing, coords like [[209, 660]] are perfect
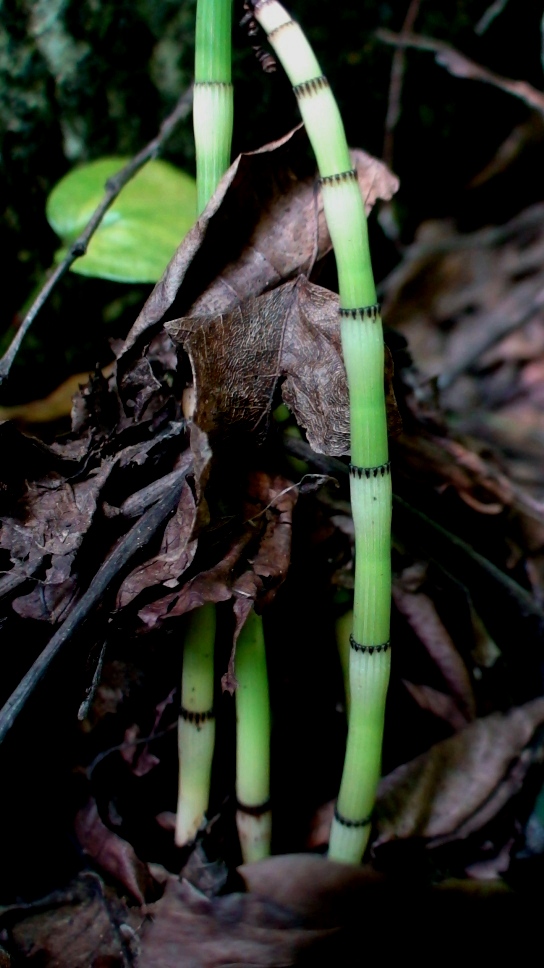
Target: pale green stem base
[[196, 725], [252, 741], [255, 835], [369, 677], [212, 122]]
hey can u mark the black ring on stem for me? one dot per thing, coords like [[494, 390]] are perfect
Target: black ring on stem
[[340, 176], [357, 647], [257, 811], [313, 86], [190, 716], [380, 471], [277, 30], [225, 84], [351, 823], [363, 312]]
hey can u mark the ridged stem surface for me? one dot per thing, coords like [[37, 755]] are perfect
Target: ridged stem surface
[[196, 724], [252, 742], [212, 122], [362, 344], [213, 95]]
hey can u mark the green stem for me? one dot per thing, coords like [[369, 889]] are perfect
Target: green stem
[[362, 344], [196, 724], [253, 817], [212, 121], [213, 95]]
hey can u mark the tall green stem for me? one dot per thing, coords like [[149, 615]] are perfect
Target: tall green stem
[[196, 724], [212, 121], [253, 817], [362, 344], [213, 100]]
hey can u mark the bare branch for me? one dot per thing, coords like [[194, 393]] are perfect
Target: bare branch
[[79, 247], [461, 66], [493, 11], [135, 539], [395, 84]]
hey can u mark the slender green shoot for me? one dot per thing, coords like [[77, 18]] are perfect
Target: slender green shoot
[[212, 121], [213, 95], [362, 343], [196, 724], [253, 817]]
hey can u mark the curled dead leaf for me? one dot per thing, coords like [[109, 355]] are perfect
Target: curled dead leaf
[[113, 854], [265, 224], [290, 334], [461, 783]]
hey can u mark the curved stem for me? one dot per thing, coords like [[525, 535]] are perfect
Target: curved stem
[[362, 344]]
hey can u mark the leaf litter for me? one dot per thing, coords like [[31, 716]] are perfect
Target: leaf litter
[[129, 431]]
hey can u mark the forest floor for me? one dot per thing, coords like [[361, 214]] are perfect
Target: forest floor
[[208, 464]]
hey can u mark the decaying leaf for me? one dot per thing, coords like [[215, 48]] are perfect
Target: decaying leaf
[[291, 333], [255, 564], [88, 927], [438, 703], [471, 309], [113, 854], [460, 784], [420, 612], [265, 224], [306, 910], [194, 931], [176, 553]]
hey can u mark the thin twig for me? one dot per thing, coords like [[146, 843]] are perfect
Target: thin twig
[[461, 66], [395, 84], [79, 247], [493, 11], [136, 538], [127, 745]]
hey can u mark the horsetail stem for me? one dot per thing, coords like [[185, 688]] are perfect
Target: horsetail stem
[[196, 724], [362, 344], [253, 817], [213, 98], [212, 121]]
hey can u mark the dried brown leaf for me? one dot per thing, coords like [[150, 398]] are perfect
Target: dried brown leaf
[[265, 224], [238, 358], [47, 602], [306, 910], [461, 783], [420, 612], [113, 854], [190, 930], [176, 553], [438, 703], [93, 928], [268, 567], [255, 564], [212, 585]]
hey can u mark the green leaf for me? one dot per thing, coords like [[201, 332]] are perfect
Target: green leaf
[[139, 233]]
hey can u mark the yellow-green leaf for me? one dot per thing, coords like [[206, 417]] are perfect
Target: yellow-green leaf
[[139, 233]]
